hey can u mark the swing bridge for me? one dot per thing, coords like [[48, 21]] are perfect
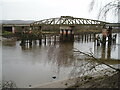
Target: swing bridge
[[67, 20], [55, 23]]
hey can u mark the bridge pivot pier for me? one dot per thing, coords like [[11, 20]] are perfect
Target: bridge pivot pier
[[66, 33]]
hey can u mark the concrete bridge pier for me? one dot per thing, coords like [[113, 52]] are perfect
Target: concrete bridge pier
[[30, 43], [55, 39], [90, 37], [13, 29], [103, 42], [45, 39], [109, 34], [40, 40], [109, 42], [66, 33], [94, 39], [104, 35], [85, 37], [49, 39], [40, 34], [82, 37]]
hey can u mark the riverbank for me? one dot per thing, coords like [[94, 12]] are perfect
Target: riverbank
[[96, 80], [112, 81]]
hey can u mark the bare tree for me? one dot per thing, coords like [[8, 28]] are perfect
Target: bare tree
[[8, 84], [112, 6], [88, 67]]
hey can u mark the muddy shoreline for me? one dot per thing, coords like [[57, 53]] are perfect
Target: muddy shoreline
[[109, 80], [100, 82]]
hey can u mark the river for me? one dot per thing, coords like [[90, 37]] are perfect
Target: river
[[40, 63]]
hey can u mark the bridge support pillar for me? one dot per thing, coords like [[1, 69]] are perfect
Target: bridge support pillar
[[66, 33], [54, 39], [104, 35], [109, 42], [40, 35], [109, 35], [13, 29], [45, 40], [40, 39]]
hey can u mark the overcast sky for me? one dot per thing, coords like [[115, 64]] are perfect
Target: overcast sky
[[43, 9]]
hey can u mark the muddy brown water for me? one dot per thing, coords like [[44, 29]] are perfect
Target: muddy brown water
[[40, 63]]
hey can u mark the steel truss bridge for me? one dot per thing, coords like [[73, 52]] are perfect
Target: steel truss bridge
[[67, 20]]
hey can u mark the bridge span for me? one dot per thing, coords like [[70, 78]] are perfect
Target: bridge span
[[54, 24], [69, 21]]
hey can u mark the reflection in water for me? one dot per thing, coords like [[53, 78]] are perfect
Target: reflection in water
[[109, 50], [118, 45], [37, 64], [0, 64], [9, 42], [62, 55], [26, 47], [103, 51]]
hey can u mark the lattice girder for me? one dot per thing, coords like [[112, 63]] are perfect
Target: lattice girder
[[67, 20]]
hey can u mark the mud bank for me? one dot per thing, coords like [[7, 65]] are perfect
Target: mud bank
[[96, 80], [100, 82]]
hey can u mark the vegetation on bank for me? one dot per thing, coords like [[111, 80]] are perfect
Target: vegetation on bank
[[6, 33]]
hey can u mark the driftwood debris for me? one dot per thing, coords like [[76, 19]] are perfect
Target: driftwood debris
[[90, 55]]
